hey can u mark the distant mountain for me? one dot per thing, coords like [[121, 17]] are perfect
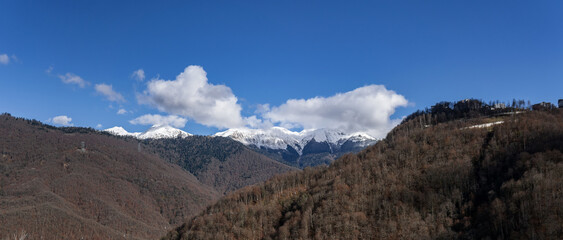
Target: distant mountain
[[222, 163], [300, 149], [155, 132]]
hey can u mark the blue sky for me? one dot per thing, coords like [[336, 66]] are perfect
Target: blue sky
[[269, 52]]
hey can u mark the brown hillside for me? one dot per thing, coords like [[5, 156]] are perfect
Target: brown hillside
[[443, 181], [53, 189]]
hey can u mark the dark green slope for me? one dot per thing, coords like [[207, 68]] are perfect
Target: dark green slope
[[220, 162]]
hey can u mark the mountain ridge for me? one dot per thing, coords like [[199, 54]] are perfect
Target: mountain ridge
[[154, 132], [464, 175], [280, 138], [309, 147]]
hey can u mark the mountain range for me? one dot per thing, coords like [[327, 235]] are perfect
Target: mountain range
[[309, 147], [454, 171]]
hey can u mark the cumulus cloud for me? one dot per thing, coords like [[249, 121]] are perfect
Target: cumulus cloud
[[191, 95], [4, 59], [255, 122], [71, 78], [139, 75], [99, 126], [262, 108], [155, 119], [109, 93], [61, 120], [365, 109], [121, 111]]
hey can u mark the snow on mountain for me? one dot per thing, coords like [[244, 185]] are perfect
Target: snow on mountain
[[321, 135], [274, 138], [155, 132], [163, 132], [280, 138], [120, 131], [485, 125]]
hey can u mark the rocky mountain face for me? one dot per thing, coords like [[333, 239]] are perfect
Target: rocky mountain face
[[300, 149]]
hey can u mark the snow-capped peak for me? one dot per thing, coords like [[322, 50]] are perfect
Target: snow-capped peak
[[156, 132], [280, 138], [120, 131], [322, 135], [274, 138], [163, 131]]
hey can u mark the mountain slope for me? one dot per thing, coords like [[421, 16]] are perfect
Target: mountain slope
[[223, 163], [300, 149], [54, 188], [436, 181]]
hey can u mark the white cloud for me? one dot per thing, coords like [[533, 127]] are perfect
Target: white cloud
[[61, 120], [254, 122], [4, 59], [365, 109], [99, 126], [139, 75], [71, 78], [109, 93], [262, 108], [155, 119], [121, 111], [191, 95]]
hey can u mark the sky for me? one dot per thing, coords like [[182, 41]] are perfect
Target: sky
[[205, 66]]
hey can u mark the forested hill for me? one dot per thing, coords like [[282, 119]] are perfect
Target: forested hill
[[78, 183], [74, 182], [222, 163], [494, 176]]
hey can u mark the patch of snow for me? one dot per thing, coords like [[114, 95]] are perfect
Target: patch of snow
[[485, 125]]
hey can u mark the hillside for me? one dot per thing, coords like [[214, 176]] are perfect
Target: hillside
[[435, 176], [220, 162], [53, 188]]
